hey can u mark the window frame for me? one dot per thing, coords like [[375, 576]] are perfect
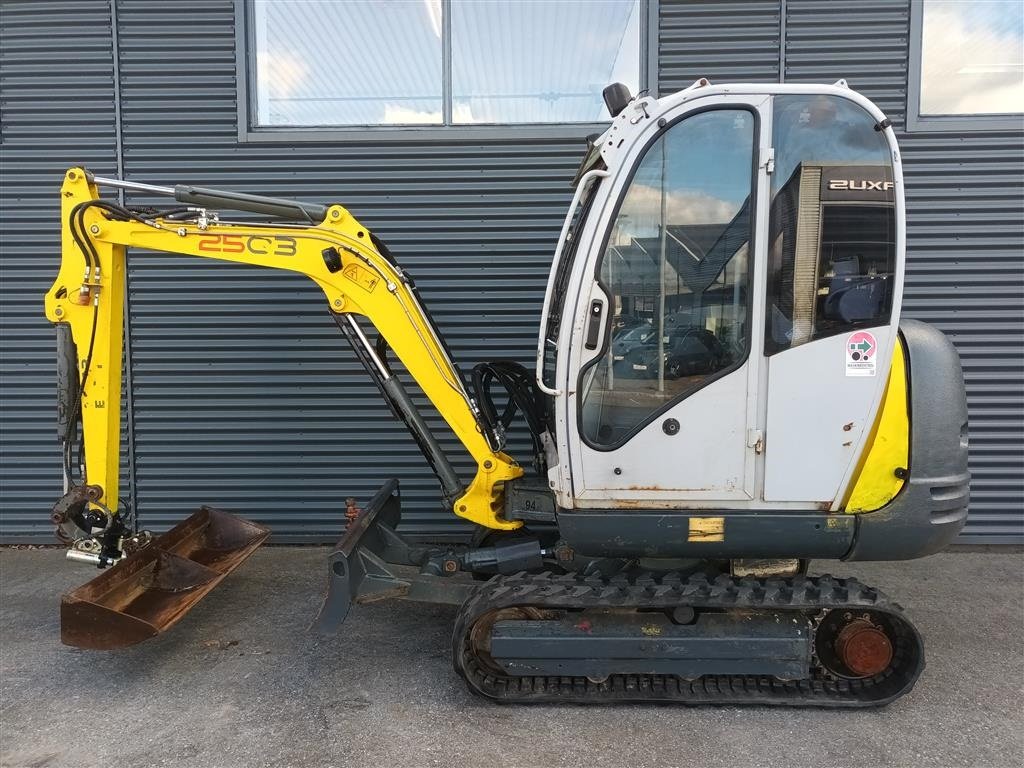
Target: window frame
[[959, 123], [249, 131], [751, 245]]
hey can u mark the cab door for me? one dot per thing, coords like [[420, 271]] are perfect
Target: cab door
[[663, 369]]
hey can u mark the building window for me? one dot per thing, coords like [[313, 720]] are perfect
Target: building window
[[967, 65], [443, 63]]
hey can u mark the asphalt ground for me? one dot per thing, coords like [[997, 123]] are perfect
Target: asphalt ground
[[240, 683]]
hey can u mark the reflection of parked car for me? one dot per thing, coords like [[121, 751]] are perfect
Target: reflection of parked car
[[692, 351], [631, 336], [632, 332]]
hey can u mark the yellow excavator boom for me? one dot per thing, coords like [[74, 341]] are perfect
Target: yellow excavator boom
[[338, 253]]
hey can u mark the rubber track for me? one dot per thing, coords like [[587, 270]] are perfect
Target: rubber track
[[809, 596]]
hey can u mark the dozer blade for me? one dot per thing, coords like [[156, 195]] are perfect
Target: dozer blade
[[362, 568], [355, 570], [149, 591]]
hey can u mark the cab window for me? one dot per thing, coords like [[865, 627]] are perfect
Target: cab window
[[676, 266], [832, 227]]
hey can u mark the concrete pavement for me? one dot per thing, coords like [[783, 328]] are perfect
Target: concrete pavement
[[383, 692]]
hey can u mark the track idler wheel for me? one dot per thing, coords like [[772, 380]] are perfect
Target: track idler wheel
[[854, 646], [864, 648]]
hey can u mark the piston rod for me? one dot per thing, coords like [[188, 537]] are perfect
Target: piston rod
[[220, 198], [133, 185]]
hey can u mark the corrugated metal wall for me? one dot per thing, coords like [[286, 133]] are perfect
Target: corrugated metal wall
[[245, 396], [56, 110], [723, 41]]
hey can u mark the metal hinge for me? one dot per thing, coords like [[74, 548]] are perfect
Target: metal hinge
[[755, 440], [768, 159]]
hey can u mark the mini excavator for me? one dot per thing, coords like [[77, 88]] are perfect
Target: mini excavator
[[723, 390]]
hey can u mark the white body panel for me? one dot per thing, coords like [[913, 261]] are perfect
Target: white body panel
[[818, 418]]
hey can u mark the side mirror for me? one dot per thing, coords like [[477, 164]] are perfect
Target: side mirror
[[616, 97]]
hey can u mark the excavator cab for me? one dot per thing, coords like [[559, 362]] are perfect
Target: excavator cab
[[758, 235], [724, 390]]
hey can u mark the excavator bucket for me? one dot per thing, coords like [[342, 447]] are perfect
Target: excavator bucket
[[149, 591]]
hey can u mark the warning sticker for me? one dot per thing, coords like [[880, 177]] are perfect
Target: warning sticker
[[861, 354], [361, 276]]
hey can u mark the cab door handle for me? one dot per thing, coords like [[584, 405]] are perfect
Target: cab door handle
[[594, 323]]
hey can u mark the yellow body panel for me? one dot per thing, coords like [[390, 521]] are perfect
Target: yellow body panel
[[888, 450], [367, 284]]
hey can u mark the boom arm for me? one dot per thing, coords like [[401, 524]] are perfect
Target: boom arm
[[338, 254]]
